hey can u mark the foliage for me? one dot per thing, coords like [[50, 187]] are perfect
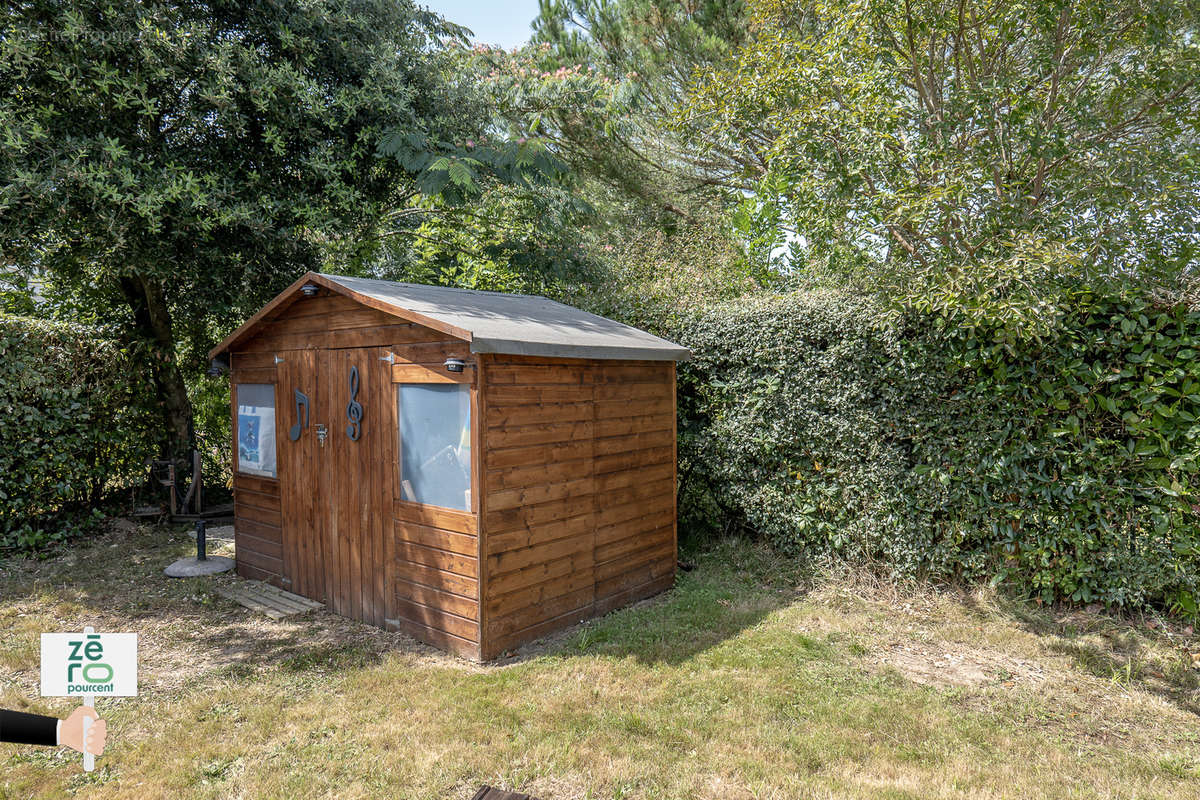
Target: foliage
[[74, 429], [458, 171], [515, 234], [16, 296], [170, 166], [598, 82], [1067, 467], [652, 279], [983, 157], [582, 112], [214, 435]]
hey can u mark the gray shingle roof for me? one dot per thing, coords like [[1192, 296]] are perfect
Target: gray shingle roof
[[519, 324]]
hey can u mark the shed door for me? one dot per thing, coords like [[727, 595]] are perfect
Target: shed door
[[356, 455], [334, 478], [302, 476]]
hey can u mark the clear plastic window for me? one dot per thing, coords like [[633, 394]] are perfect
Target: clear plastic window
[[435, 444], [256, 429]]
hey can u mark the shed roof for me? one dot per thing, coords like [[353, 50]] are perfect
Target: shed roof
[[492, 322]]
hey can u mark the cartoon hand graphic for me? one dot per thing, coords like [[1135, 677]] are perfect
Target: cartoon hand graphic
[[72, 731]]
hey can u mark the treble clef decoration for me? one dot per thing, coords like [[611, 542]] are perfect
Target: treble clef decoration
[[354, 411]]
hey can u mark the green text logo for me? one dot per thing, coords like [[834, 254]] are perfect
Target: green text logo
[[86, 672]]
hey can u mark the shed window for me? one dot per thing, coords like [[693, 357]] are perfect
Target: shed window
[[435, 444], [256, 429]]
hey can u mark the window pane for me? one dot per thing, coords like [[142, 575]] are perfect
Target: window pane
[[435, 444], [256, 429]]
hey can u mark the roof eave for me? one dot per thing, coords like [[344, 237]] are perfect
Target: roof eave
[[289, 294], [242, 331], [515, 347]]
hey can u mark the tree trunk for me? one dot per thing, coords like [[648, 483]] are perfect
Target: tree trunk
[[152, 319]]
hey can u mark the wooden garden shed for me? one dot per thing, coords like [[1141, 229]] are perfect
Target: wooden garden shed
[[474, 468]]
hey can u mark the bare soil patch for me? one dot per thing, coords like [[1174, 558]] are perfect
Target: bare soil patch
[[940, 666]]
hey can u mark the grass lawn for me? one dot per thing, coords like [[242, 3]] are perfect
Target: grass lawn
[[737, 683]]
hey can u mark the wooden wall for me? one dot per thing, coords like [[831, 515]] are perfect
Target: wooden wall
[[636, 548], [436, 578], [256, 505], [331, 321], [328, 320], [579, 503], [257, 529], [574, 479], [428, 567]]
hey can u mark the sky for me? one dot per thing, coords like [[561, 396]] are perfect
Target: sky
[[502, 22]]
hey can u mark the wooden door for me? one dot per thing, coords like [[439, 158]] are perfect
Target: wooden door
[[302, 477], [358, 421]]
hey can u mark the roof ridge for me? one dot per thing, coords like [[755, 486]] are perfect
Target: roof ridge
[[333, 277]]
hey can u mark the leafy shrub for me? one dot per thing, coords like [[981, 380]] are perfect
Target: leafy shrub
[[214, 435], [72, 429], [1065, 466], [651, 279]]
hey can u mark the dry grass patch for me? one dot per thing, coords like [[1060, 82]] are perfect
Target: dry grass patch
[[739, 683]]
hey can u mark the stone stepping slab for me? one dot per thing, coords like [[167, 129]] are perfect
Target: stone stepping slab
[[490, 793]]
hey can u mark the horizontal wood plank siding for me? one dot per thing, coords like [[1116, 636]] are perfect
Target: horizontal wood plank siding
[[425, 566], [257, 524], [574, 484], [436, 586], [579, 482], [331, 321], [434, 551], [257, 535]]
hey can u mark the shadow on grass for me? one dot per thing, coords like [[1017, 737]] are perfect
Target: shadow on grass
[[1118, 649], [733, 586], [116, 580]]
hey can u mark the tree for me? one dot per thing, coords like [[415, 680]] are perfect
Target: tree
[[599, 83], [596, 90], [183, 161], [508, 238], [980, 156], [485, 213]]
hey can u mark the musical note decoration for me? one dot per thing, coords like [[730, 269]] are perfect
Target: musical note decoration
[[354, 410], [301, 421]]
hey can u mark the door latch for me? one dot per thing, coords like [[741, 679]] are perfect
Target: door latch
[[322, 432]]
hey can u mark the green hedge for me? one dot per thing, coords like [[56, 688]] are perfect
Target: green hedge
[[1067, 467], [71, 430]]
